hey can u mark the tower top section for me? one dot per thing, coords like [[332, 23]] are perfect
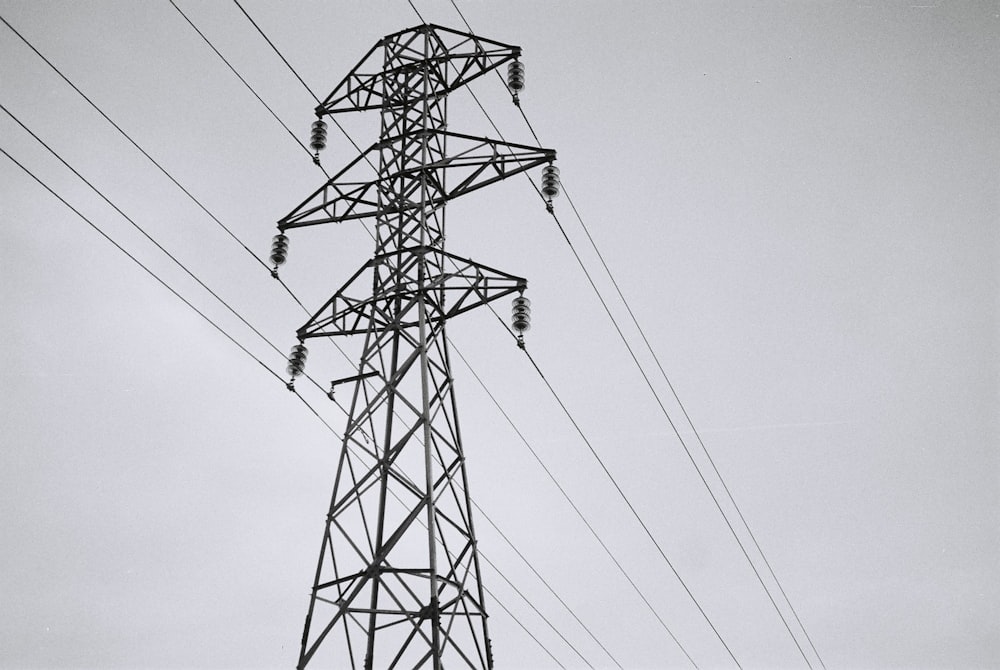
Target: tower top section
[[454, 59]]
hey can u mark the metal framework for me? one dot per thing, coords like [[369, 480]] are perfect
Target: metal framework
[[398, 582]]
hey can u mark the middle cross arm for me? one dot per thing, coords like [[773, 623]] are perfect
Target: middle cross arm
[[473, 162]]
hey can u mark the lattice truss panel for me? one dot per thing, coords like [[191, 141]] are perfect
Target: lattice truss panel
[[398, 582]]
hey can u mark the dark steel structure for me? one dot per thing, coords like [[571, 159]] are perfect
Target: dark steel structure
[[398, 582]]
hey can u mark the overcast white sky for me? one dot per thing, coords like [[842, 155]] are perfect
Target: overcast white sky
[[800, 200]]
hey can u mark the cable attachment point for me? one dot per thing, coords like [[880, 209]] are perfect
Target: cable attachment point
[[353, 378]]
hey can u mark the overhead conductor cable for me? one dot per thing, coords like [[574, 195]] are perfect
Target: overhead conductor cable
[[676, 397]]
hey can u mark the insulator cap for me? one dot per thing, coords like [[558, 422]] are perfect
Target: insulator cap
[[515, 76], [279, 249], [297, 360], [318, 137], [550, 181], [521, 316]]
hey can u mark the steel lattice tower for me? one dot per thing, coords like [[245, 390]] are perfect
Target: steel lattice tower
[[398, 582]]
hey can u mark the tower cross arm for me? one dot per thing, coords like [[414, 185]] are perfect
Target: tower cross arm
[[471, 285], [471, 164], [466, 286], [458, 57]]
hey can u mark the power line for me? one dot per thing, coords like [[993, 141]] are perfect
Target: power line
[[417, 11], [632, 508], [155, 276], [708, 456], [240, 77], [283, 59], [126, 135], [154, 241], [166, 173], [138, 227], [181, 187], [278, 119], [684, 411], [294, 137], [673, 426], [301, 81], [520, 623], [150, 158], [675, 395], [683, 444], [283, 125], [518, 591], [576, 509]]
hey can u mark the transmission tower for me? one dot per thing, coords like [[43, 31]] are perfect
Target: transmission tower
[[398, 581]]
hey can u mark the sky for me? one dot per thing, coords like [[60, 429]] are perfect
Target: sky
[[799, 201]]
